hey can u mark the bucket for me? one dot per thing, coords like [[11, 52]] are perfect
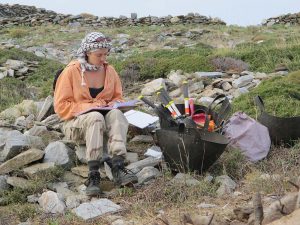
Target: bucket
[[192, 149], [283, 130]]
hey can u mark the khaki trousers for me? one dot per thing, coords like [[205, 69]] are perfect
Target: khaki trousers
[[91, 128]]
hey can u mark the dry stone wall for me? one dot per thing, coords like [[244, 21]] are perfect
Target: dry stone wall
[[288, 19], [13, 15]]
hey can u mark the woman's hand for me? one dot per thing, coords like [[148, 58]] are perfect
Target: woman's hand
[[110, 104]]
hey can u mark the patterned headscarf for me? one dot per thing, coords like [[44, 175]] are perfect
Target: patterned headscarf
[[91, 42]]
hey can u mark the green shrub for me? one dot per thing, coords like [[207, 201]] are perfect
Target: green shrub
[[281, 96]]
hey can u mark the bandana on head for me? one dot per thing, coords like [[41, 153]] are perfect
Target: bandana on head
[[91, 42]]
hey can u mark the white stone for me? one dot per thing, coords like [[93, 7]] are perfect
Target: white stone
[[147, 173], [59, 153], [242, 81], [51, 203], [96, 208], [185, 179], [176, 78], [153, 86]]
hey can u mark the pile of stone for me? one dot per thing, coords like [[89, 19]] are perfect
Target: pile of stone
[[204, 86], [17, 69], [31, 142], [13, 15], [287, 20]]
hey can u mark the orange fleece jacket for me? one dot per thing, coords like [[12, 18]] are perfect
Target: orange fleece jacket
[[70, 97]]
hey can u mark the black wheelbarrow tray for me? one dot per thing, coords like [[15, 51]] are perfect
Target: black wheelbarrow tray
[[193, 149], [282, 130]]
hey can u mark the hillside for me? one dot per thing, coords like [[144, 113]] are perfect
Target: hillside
[[240, 62]]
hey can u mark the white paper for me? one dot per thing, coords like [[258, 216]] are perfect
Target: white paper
[[154, 151], [140, 119]]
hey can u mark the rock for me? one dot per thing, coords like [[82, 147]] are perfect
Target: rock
[[153, 86], [174, 19], [14, 64], [72, 179], [206, 206], [96, 208], [185, 179], [139, 165], [82, 171], [208, 74], [74, 201], [196, 87], [51, 203], [227, 185], [205, 100], [142, 138], [3, 74], [3, 183], [35, 142], [18, 182], [21, 160], [242, 81], [46, 108], [176, 78], [15, 143], [176, 93], [240, 91], [22, 71], [39, 167], [33, 198], [36, 130], [51, 120], [226, 86], [147, 173], [25, 108], [60, 154], [261, 76]]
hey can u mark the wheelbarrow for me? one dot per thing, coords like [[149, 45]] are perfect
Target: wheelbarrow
[[192, 149], [283, 130]]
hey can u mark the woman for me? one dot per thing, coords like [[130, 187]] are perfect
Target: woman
[[89, 82]]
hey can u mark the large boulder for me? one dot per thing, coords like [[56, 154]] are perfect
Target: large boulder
[[60, 154]]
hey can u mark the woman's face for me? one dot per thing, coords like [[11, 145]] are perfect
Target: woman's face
[[97, 57]]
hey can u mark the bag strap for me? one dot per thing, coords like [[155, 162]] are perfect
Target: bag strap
[[259, 103]]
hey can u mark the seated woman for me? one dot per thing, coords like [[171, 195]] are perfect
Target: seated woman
[[89, 82]]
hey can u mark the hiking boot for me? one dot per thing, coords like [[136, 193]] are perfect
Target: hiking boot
[[122, 176], [93, 182]]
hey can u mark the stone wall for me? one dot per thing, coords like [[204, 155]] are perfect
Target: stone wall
[[288, 19], [13, 15]]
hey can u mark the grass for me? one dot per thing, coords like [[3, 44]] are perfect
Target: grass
[[37, 184], [280, 96], [39, 83]]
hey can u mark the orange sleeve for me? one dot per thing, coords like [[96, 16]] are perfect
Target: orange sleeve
[[64, 104], [118, 92]]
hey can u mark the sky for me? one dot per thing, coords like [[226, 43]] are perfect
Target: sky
[[236, 12]]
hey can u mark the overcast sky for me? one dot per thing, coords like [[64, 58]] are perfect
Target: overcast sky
[[240, 12]]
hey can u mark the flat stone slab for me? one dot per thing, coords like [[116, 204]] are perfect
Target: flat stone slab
[[18, 182], [21, 160], [139, 165], [36, 168], [82, 171], [96, 208]]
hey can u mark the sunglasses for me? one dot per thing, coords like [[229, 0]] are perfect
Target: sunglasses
[[101, 39]]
